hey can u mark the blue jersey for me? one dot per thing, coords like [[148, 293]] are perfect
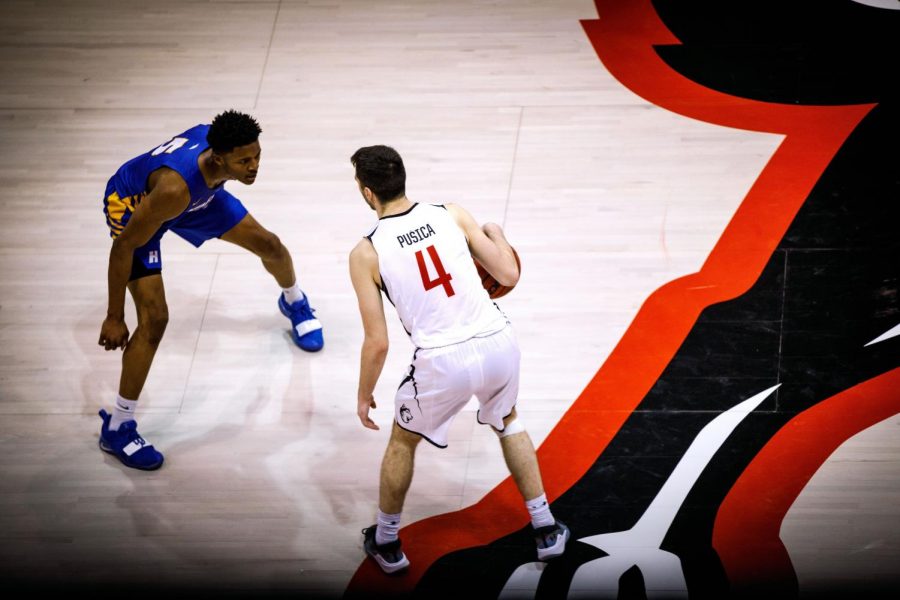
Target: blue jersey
[[210, 213], [179, 154]]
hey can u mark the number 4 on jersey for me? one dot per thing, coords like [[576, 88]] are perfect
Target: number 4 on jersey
[[443, 278]]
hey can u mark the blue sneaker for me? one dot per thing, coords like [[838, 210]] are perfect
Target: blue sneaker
[[306, 330], [128, 446]]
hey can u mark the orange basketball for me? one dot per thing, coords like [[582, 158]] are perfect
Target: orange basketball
[[493, 287]]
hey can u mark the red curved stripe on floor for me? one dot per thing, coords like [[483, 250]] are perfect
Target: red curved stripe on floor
[[623, 38], [746, 532]]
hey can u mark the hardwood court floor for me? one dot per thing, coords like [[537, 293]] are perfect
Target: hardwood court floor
[[503, 107]]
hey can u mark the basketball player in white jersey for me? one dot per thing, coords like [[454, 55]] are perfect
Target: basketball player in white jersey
[[420, 256]]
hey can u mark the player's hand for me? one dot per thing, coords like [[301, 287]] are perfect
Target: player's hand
[[362, 411], [113, 333]]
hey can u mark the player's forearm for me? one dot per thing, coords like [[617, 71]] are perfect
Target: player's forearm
[[120, 259], [495, 233], [507, 271], [371, 363]]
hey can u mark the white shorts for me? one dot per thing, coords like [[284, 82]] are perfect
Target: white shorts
[[441, 381]]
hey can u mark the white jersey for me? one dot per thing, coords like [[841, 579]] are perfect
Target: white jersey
[[428, 274]]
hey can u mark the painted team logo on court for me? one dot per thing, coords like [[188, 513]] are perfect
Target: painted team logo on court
[[405, 414], [749, 365]]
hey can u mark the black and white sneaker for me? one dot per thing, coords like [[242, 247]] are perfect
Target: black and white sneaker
[[551, 540], [388, 556]]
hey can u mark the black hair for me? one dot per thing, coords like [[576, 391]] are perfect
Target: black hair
[[230, 130], [380, 169]]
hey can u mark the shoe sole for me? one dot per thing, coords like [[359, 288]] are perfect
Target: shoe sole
[[110, 451], [557, 549], [390, 568]]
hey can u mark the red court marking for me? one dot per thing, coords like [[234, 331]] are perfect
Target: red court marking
[[623, 38], [746, 532]]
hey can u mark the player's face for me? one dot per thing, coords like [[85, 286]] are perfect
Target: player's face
[[242, 163]]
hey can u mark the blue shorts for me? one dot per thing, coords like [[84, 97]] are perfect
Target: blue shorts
[[212, 220]]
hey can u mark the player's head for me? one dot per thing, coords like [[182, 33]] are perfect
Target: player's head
[[379, 173], [234, 140]]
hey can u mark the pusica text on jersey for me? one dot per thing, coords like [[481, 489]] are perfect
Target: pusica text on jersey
[[416, 235]]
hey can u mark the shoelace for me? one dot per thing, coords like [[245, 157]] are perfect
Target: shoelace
[[303, 310], [129, 430]]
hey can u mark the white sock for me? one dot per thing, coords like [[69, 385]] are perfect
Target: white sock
[[388, 528], [539, 509], [123, 411], [293, 293]]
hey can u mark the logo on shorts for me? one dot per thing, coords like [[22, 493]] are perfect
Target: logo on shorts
[[405, 414], [153, 257]]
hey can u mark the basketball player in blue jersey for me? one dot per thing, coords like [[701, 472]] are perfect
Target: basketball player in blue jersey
[[420, 256], [179, 186]]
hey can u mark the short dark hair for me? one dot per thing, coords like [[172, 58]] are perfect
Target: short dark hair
[[380, 169], [230, 130]]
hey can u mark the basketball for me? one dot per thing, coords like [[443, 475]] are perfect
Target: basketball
[[493, 287]]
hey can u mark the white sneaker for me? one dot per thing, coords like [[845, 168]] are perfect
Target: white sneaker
[[551, 540], [388, 556]]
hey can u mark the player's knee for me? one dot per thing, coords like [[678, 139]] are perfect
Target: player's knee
[[269, 246], [154, 323], [513, 427]]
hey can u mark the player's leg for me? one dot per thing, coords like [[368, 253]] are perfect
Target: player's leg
[[499, 357], [500, 362], [250, 235], [520, 457], [424, 406], [152, 317], [397, 469], [381, 541], [306, 330], [118, 433], [550, 534]]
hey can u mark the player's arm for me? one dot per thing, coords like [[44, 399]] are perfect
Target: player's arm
[[488, 245], [365, 277], [167, 198]]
